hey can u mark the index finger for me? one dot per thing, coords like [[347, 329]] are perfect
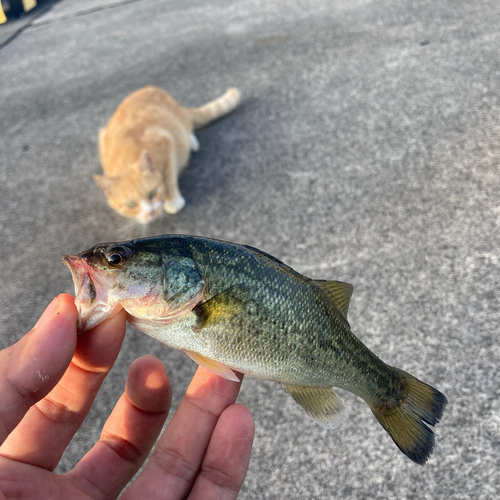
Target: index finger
[[30, 368]]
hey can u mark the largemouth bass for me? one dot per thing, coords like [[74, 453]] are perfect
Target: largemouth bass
[[233, 307]]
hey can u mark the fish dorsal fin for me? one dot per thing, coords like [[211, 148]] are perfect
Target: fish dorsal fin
[[320, 403], [222, 306], [338, 292], [213, 366]]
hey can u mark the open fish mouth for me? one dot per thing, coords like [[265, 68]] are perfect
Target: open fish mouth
[[91, 293]]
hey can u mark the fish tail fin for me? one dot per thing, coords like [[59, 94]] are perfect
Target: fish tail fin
[[406, 420]]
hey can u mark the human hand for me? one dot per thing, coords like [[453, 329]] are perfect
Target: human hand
[[48, 381]]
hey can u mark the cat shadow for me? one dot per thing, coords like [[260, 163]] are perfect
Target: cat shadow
[[214, 169]]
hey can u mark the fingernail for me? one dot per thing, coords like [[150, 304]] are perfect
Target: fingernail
[[51, 308]]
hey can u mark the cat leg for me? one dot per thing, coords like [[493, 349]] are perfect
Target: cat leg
[[195, 145], [174, 205], [174, 201], [162, 147]]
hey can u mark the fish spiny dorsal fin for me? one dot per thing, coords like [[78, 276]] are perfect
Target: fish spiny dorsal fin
[[338, 292]]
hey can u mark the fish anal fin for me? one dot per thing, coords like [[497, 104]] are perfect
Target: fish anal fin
[[213, 366], [338, 292], [222, 306], [320, 403]]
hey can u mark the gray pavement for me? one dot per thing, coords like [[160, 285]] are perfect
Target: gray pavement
[[366, 149]]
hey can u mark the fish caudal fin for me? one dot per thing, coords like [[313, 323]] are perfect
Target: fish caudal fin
[[320, 403], [214, 109], [406, 422]]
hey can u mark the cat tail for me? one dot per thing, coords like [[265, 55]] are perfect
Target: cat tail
[[408, 418], [214, 109]]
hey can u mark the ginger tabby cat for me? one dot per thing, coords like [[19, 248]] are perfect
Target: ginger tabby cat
[[145, 146]]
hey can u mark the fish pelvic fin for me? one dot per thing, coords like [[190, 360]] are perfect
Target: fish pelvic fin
[[320, 403], [407, 422], [213, 366], [338, 292]]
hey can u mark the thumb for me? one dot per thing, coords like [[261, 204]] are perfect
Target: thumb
[[30, 368]]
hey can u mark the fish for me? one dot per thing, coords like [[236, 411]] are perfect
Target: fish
[[233, 308]]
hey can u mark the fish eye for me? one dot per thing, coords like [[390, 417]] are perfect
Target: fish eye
[[152, 194], [115, 259], [116, 255], [131, 204]]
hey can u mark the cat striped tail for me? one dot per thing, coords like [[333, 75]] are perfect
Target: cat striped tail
[[406, 420], [214, 109]]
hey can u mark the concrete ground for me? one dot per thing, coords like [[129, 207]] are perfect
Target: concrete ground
[[366, 149]]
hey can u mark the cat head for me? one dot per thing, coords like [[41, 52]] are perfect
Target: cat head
[[137, 193]]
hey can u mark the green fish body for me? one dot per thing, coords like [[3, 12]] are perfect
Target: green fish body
[[233, 307]]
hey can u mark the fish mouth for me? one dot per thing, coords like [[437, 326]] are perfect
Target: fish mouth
[[91, 293]]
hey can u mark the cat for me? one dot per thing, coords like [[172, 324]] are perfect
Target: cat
[[144, 147]]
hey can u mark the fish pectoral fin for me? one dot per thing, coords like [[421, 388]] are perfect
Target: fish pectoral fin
[[320, 403], [338, 292], [223, 305], [213, 366]]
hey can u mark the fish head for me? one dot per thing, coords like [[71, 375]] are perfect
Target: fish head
[[148, 283]]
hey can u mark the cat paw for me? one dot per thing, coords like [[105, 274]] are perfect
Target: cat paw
[[195, 145], [174, 205]]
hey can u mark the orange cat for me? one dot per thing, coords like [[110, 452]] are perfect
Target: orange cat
[[145, 146]]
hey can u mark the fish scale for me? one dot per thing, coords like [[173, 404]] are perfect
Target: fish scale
[[231, 307]]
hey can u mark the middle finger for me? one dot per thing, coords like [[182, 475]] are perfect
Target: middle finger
[[177, 458]]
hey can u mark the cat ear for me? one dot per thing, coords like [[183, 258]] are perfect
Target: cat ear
[[146, 163], [105, 183]]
